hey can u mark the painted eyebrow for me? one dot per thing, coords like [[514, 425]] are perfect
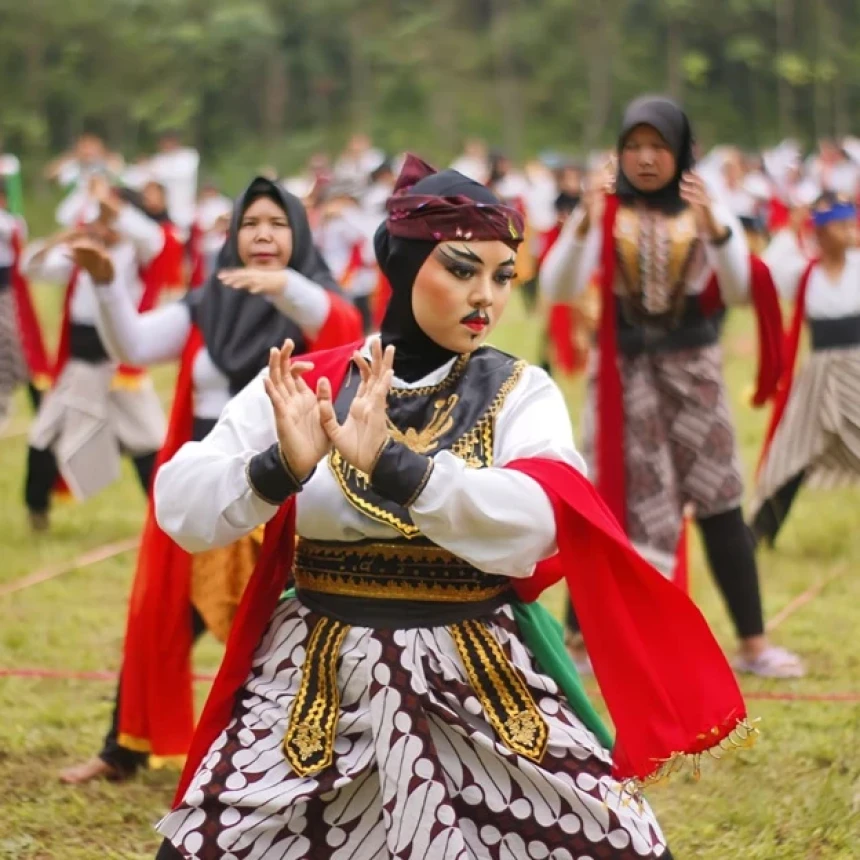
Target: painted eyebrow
[[464, 254]]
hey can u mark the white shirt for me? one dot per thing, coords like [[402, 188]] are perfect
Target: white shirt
[[825, 299], [177, 172], [142, 240], [207, 215], [498, 520], [160, 335], [572, 262], [472, 167], [337, 238]]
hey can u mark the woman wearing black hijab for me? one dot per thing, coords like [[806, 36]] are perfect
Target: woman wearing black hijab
[[662, 434], [394, 705], [222, 333]]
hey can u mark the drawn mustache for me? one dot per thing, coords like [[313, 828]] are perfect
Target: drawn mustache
[[476, 316]]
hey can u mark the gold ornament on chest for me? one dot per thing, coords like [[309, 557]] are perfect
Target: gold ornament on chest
[[425, 440], [656, 253]]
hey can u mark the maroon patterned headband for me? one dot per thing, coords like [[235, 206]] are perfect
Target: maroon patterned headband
[[442, 218]]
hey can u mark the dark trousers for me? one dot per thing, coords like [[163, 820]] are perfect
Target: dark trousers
[[124, 760], [774, 512], [42, 474], [730, 550], [35, 396]]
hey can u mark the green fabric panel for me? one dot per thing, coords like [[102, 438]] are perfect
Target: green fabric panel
[[545, 637], [14, 195]]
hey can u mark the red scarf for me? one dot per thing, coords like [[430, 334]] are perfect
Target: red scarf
[[792, 347], [156, 705], [666, 682], [156, 702], [197, 261], [353, 264], [563, 319], [166, 268], [29, 329], [610, 408]]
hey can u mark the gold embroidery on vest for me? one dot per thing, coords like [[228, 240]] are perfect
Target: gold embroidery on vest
[[474, 447], [426, 440], [655, 253]]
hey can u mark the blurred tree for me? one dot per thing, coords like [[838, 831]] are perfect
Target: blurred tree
[[282, 76]]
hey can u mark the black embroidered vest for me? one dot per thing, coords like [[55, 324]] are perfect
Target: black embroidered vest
[[457, 415]]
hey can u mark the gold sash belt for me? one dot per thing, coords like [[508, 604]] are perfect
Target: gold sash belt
[[402, 572]]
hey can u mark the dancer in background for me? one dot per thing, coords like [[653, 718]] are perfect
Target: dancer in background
[[659, 429], [208, 232], [222, 335], [95, 410], [814, 436]]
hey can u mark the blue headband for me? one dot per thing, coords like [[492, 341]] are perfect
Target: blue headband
[[837, 212]]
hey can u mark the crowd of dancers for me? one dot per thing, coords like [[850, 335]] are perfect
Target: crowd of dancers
[[363, 499]]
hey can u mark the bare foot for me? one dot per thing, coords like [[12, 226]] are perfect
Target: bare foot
[[89, 771]]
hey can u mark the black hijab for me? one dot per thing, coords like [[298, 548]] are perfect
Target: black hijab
[[400, 260], [671, 122], [240, 328]]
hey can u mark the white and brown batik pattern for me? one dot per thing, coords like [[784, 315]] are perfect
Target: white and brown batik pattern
[[679, 445], [819, 434], [418, 772]]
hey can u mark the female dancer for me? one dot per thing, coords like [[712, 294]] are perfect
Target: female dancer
[[222, 335], [95, 408], [394, 706], [814, 437], [664, 437]]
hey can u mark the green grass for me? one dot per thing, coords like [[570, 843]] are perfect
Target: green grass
[[795, 796]]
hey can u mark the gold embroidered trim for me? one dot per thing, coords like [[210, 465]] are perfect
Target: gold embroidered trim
[[420, 488], [479, 440], [287, 468], [456, 372], [387, 589], [474, 447], [503, 694], [392, 571], [379, 453], [254, 489], [742, 736], [309, 739], [341, 471]]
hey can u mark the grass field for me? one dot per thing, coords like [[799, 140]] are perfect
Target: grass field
[[795, 796]]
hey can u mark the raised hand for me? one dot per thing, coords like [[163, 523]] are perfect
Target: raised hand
[[695, 194], [297, 413], [598, 185], [91, 256], [265, 282], [361, 437]]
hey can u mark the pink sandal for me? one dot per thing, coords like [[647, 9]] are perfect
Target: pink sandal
[[773, 662]]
